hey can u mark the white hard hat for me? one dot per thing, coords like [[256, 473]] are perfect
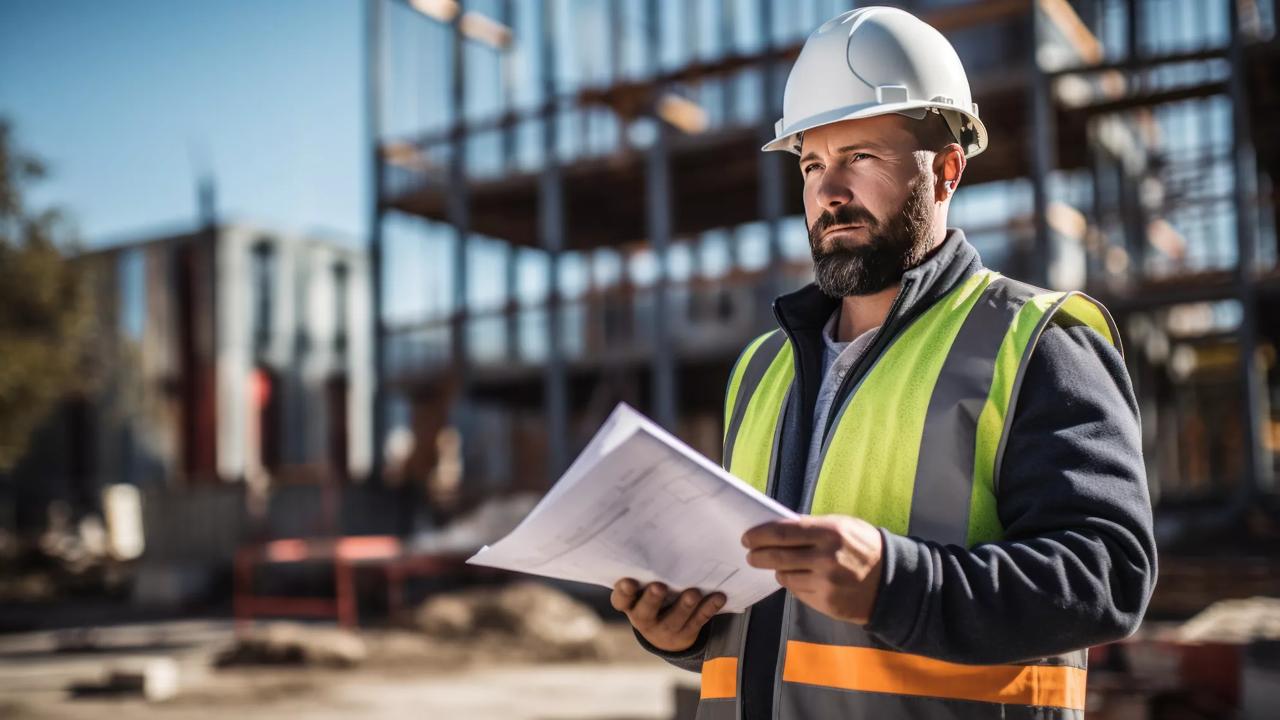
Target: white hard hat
[[873, 61]]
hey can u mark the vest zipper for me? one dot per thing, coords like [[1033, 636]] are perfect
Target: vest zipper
[[806, 500], [858, 370], [769, 486]]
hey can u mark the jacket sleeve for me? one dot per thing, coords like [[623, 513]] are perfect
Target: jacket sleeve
[[1078, 562], [690, 659]]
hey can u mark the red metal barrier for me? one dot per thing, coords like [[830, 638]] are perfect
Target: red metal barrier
[[383, 552]]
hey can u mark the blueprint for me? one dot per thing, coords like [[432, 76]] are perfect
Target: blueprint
[[640, 503]]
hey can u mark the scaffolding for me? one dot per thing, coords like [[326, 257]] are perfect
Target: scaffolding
[[1130, 159]]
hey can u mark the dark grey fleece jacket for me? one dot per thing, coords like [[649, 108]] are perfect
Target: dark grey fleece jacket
[[1078, 562]]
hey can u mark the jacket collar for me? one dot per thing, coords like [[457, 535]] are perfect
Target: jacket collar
[[806, 310]]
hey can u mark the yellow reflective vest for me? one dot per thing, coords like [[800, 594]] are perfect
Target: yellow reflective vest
[[915, 448]]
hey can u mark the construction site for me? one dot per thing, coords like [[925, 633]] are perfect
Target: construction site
[[575, 194], [1131, 160]]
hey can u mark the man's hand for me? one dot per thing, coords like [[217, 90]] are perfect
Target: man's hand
[[831, 563], [674, 628]]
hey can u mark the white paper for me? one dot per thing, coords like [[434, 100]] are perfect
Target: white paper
[[640, 503]]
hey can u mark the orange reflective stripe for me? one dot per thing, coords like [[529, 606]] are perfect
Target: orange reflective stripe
[[885, 671], [719, 678]]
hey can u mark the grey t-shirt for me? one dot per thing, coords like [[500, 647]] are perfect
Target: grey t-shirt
[[837, 359]]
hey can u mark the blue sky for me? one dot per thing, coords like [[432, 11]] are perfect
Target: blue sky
[[126, 100]]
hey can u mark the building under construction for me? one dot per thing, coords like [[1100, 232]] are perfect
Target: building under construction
[[572, 210]]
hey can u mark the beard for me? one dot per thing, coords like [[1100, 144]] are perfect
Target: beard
[[894, 246]]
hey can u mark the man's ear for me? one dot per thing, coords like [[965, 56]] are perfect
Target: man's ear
[[948, 166]]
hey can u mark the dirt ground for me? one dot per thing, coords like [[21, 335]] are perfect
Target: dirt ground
[[406, 675]]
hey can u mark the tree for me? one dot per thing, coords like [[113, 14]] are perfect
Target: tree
[[43, 306]]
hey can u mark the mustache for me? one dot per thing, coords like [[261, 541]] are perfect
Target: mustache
[[844, 215]]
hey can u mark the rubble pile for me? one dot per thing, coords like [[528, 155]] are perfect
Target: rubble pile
[[154, 679], [65, 559], [1235, 621], [296, 644], [527, 617]]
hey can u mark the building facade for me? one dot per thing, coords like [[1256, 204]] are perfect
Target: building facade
[[228, 355]]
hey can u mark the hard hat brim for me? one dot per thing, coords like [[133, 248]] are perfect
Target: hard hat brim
[[785, 141]]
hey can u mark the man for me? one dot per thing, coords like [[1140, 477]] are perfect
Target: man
[[965, 447]]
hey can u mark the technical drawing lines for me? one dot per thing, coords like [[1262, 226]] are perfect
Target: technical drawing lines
[[584, 535]]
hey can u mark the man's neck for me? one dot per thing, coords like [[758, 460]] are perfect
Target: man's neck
[[860, 313]]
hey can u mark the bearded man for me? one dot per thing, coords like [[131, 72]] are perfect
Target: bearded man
[[964, 448]]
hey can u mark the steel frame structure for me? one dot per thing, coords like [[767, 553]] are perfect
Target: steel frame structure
[[1052, 130]]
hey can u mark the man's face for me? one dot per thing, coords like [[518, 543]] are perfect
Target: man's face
[[868, 202]]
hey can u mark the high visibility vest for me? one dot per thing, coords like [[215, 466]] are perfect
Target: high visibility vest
[[916, 449]]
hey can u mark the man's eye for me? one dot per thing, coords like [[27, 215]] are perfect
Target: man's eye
[[810, 166], [861, 156]]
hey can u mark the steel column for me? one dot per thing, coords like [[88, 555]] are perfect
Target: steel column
[[512, 264], [511, 273], [727, 50], [373, 130], [506, 139], [551, 219], [769, 164], [658, 203], [1041, 151], [1258, 463], [459, 209]]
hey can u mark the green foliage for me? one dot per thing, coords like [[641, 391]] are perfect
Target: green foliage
[[44, 307]]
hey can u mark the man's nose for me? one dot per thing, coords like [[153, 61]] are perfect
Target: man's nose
[[833, 192]]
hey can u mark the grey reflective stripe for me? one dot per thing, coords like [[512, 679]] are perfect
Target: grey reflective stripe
[[757, 365], [1022, 370], [726, 636], [787, 600], [810, 701], [1111, 324], [808, 625], [723, 636], [944, 471], [717, 709], [742, 622], [771, 478], [1075, 658]]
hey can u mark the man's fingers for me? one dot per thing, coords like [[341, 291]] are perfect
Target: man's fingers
[[623, 596], [645, 611], [797, 581], [675, 617], [786, 558], [706, 610], [784, 533], [644, 608]]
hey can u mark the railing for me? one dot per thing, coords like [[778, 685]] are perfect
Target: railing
[[707, 317]]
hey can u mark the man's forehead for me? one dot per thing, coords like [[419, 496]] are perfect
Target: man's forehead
[[879, 131]]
